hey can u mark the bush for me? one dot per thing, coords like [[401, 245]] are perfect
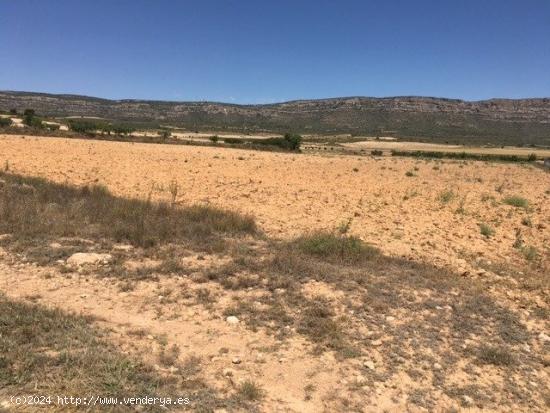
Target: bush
[[232, 140], [532, 157], [121, 130], [86, 126], [250, 391], [446, 196], [165, 133], [516, 201], [292, 141], [460, 155], [5, 122], [340, 248], [376, 152], [214, 138], [33, 122], [30, 119], [486, 230]]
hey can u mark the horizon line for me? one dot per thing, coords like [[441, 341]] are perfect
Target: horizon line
[[275, 103]]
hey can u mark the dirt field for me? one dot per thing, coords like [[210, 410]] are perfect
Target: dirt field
[[404, 215], [487, 224]]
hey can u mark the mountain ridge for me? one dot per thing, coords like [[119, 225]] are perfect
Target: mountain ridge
[[494, 121]]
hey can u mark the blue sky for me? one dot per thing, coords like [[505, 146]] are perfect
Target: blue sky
[[254, 51]]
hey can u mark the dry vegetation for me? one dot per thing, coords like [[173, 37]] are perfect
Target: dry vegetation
[[300, 309]]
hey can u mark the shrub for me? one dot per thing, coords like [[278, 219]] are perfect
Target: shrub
[[516, 201], [5, 122], [86, 126], [29, 117], [250, 391], [292, 141], [376, 152], [486, 230], [33, 122], [232, 140], [446, 196], [530, 253], [164, 133], [214, 138], [13, 111], [336, 247], [121, 129], [498, 356], [409, 173]]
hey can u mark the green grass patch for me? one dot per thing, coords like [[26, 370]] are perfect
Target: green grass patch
[[486, 230], [516, 201]]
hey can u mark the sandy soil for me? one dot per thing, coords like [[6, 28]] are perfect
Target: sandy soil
[[432, 216], [292, 193]]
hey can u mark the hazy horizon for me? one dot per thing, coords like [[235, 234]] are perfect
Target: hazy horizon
[[270, 103]]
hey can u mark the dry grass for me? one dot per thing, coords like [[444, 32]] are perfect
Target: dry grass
[[50, 352], [367, 291], [34, 207]]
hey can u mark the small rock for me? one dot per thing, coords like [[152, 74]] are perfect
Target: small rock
[[377, 343], [173, 369], [88, 258], [232, 320], [236, 360], [467, 400], [55, 245], [83, 296], [369, 364], [390, 318], [544, 337], [437, 366], [260, 358], [123, 247]]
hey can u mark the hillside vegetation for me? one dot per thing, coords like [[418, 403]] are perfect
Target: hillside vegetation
[[496, 121]]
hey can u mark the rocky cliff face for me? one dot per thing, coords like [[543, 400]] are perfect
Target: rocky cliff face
[[497, 121]]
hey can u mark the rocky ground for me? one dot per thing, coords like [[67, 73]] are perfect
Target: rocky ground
[[450, 315]]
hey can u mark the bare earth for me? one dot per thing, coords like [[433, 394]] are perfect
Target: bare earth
[[433, 216], [290, 194]]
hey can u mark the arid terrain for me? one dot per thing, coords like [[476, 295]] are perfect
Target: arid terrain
[[443, 306]]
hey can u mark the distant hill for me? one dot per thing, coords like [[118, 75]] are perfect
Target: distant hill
[[495, 121]]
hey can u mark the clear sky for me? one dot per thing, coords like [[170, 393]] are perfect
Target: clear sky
[[256, 51]]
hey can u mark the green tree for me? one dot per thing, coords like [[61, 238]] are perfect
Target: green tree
[[5, 122], [293, 141]]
